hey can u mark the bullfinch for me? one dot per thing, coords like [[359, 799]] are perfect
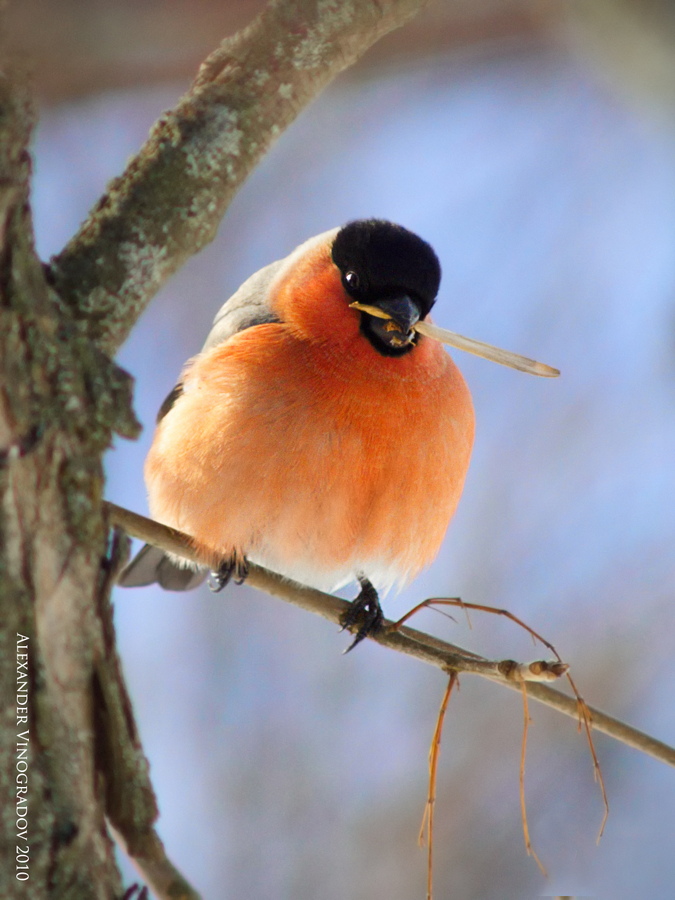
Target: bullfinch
[[322, 432]]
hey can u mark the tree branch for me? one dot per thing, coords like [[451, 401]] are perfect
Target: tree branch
[[420, 645], [169, 202]]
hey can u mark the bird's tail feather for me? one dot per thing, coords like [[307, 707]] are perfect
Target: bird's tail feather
[[152, 566]]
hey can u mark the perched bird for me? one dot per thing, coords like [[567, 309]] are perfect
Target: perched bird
[[320, 432]]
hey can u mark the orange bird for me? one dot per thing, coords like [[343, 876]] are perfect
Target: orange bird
[[321, 432]]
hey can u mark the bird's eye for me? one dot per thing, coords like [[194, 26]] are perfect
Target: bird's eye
[[352, 280]]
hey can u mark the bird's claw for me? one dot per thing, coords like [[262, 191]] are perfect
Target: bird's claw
[[366, 608], [222, 576]]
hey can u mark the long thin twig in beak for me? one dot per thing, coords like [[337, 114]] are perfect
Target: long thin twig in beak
[[487, 351], [469, 345]]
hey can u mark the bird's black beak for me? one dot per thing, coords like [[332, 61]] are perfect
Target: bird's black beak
[[402, 310], [391, 322]]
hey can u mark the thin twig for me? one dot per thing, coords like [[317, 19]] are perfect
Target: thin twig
[[427, 827], [425, 647], [523, 804], [537, 671]]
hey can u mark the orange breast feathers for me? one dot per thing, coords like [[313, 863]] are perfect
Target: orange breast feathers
[[297, 445]]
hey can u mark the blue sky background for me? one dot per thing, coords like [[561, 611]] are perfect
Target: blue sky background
[[286, 770]]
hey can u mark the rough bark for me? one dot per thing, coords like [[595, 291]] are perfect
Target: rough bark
[[60, 399]]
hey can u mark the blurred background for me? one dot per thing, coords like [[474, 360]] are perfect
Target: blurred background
[[532, 144]]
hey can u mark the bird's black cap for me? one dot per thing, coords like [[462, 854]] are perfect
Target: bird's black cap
[[386, 260]]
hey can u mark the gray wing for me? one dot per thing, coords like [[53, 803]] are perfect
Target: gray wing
[[247, 307], [152, 566]]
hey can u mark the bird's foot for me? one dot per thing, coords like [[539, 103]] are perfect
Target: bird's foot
[[235, 569], [366, 609]]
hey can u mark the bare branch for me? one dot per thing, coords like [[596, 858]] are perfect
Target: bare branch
[[168, 203], [406, 640]]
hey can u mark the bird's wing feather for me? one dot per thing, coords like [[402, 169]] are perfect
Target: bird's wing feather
[[247, 307], [250, 305]]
